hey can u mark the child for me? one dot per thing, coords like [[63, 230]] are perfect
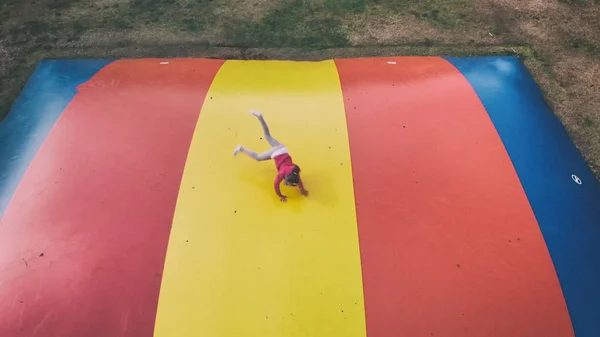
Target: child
[[286, 169]]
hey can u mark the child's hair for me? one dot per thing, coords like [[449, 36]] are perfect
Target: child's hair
[[294, 177]]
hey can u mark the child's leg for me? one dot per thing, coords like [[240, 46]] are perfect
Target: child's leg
[[258, 157], [272, 141]]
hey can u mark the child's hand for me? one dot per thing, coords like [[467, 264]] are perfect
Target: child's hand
[[283, 198], [304, 192]]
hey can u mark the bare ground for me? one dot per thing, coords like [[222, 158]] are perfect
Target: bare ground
[[558, 40]]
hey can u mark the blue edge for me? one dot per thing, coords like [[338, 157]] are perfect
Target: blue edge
[[545, 160], [47, 93], [541, 152]]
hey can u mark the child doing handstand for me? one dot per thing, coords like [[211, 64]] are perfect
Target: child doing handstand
[[287, 171]]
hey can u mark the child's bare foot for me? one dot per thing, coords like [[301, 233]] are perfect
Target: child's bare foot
[[255, 113], [237, 150]]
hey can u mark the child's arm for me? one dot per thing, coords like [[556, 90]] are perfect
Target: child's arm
[[278, 180], [301, 185]]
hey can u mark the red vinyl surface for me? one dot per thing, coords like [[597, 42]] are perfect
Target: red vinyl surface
[[449, 244], [83, 241]]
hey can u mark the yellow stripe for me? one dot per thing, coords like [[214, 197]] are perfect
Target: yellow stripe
[[240, 263]]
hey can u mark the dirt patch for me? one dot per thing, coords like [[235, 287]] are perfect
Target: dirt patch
[[246, 9], [580, 76], [382, 26], [6, 57]]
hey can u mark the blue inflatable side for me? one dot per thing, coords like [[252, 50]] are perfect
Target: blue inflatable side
[[47, 93], [561, 189]]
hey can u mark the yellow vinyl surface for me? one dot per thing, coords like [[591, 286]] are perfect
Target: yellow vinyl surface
[[241, 263]]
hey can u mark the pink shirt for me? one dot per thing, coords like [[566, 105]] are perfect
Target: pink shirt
[[284, 165]]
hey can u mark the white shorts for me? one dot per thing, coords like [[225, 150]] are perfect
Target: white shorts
[[279, 151]]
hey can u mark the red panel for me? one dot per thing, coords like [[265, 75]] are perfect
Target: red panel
[[98, 201], [449, 244]]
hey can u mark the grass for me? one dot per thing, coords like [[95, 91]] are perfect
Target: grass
[[580, 2], [559, 41], [294, 24], [443, 14], [584, 45]]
